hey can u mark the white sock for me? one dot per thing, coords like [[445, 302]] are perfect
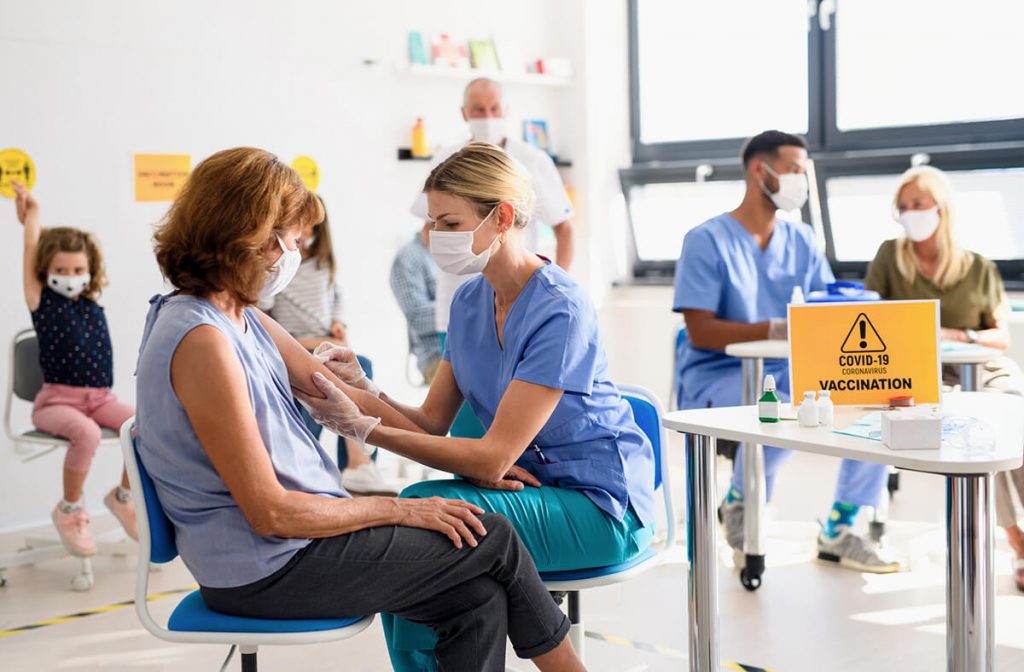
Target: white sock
[[68, 507]]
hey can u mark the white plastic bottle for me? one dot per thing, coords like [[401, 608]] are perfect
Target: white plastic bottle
[[807, 414], [826, 409], [797, 297]]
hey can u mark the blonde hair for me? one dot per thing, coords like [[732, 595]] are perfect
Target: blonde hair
[[485, 176], [66, 239], [953, 260]]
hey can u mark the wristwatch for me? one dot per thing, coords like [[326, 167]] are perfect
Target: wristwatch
[[972, 335]]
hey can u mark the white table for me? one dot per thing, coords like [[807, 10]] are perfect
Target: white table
[[970, 591], [969, 359], [755, 495]]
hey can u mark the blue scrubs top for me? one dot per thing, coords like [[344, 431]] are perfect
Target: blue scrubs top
[[591, 442], [722, 269]]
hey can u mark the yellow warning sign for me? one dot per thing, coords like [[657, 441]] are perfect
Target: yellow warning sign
[[308, 170], [866, 353], [15, 166], [863, 337], [159, 177]]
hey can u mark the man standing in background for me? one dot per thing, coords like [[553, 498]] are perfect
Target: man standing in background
[[484, 110]]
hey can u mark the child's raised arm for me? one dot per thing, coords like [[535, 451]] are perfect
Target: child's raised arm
[[28, 215]]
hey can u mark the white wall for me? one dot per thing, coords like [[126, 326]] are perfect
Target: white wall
[[93, 83]]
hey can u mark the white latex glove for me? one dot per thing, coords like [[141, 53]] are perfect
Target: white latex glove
[[342, 362], [778, 329], [337, 412]]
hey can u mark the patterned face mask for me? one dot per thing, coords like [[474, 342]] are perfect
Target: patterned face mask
[[68, 285]]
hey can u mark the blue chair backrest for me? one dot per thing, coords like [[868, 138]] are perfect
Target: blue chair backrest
[[162, 547], [682, 341], [646, 416]]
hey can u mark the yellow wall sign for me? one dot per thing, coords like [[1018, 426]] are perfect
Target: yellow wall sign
[[866, 353], [15, 166], [308, 170], [159, 177]]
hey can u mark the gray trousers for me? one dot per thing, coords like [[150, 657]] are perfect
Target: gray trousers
[[472, 598]]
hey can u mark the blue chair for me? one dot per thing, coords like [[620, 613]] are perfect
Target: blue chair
[[647, 411], [192, 622], [680, 342]]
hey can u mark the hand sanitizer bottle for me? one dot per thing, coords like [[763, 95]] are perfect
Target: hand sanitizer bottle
[[807, 414], [826, 410], [797, 297], [768, 404]]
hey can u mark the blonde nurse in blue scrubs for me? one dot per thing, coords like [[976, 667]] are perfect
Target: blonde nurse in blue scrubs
[[562, 457]]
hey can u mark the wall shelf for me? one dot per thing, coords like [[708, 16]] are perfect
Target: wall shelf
[[466, 74]]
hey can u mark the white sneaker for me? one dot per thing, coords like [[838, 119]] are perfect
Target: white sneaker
[[854, 552], [367, 480]]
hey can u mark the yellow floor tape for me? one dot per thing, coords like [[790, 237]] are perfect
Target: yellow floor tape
[[611, 639], [90, 612], [667, 652]]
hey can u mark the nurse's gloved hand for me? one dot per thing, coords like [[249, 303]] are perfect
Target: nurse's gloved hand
[[778, 329], [516, 479], [337, 412], [342, 362]]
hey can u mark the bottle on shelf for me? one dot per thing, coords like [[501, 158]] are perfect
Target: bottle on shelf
[[420, 149]]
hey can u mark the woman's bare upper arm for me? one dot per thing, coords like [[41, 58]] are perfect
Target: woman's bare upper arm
[[210, 383]]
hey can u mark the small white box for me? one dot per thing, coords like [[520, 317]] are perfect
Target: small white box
[[912, 429]]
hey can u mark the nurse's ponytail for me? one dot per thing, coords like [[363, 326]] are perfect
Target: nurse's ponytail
[[484, 175]]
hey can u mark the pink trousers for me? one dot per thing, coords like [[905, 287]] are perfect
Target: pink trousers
[[77, 414]]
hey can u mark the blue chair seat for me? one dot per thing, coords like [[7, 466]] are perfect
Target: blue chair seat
[[594, 572], [192, 615]]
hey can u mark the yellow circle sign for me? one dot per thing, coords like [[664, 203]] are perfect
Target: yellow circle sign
[[15, 166], [308, 170]]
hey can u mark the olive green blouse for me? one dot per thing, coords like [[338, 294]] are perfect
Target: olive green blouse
[[978, 301]]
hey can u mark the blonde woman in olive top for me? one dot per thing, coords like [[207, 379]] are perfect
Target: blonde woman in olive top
[[927, 263]]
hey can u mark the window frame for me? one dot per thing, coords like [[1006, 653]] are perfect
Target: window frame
[[949, 158], [954, 146]]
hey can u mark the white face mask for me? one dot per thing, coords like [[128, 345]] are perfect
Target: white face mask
[[920, 224], [453, 250], [792, 193], [68, 285], [488, 129], [282, 272]]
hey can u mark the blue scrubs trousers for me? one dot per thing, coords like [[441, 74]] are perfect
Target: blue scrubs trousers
[[561, 529]]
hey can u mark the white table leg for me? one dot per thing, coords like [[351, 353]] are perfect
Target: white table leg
[[755, 494], [970, 588], [700, 523]]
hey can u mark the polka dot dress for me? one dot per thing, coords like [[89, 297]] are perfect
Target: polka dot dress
[[74, 341]]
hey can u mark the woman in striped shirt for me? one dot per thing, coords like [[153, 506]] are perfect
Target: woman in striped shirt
[[310, 309]]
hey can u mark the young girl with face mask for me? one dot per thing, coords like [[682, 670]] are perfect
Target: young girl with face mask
[[63, 277]]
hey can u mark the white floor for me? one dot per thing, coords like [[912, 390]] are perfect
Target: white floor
[[805, 616]]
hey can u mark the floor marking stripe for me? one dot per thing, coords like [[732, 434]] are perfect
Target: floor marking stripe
[[666, 651], [90, 612]]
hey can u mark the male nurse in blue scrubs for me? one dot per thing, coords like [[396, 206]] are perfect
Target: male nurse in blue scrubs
[[733, 280]]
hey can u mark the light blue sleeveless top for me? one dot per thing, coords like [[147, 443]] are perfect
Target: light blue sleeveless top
[[214, 539]]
